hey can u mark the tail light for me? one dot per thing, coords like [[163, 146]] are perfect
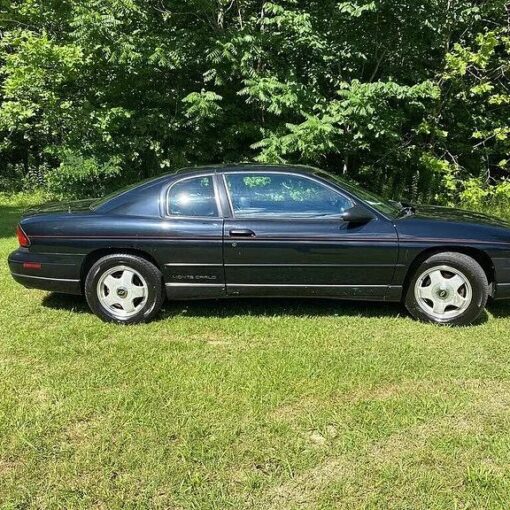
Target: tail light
[[23, 239]]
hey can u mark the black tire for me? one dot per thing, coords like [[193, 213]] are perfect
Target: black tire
[[474, 274], [149, 272]]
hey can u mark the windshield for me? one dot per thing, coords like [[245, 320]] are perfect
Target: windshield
[[384, 206]]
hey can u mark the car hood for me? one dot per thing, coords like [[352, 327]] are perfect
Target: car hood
[[432, 212], [70, 207]]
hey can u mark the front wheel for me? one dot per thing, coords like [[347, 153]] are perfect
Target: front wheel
[[124, 289], [448, 288]]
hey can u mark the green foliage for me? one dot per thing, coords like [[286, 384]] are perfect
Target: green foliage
[[476, 194], [476, 99], [202, 105], [355, 9], [79, 177], [412, 99]]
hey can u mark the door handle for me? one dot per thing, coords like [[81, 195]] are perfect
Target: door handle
[[243, 232]]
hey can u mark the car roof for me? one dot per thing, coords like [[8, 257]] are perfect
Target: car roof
[[192, 171], [245, 167], [122, 195]]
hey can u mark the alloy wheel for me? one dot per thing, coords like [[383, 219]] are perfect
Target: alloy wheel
[[123, 291], [443, 292]]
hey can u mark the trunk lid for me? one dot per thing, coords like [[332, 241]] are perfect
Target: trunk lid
[[69, 207]]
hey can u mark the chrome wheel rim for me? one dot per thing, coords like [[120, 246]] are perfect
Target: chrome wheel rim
[[122, 291], [443, 292]]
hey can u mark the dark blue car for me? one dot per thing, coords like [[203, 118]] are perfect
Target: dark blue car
[[257, 230]]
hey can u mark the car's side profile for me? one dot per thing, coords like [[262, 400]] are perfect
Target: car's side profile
[[259, 230]]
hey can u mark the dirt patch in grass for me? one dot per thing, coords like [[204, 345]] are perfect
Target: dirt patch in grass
[[292, 411], [488, 400], [303, 489], [498, 393], [82, 430], [218, 343], [8, 466]]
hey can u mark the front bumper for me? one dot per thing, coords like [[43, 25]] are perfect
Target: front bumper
[[57, 273], [501, 261], [502, 291]]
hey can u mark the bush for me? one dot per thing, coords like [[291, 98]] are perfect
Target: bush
[[81, 177], [482, 197]]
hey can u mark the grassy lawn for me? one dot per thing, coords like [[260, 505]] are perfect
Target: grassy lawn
[[244, 404]]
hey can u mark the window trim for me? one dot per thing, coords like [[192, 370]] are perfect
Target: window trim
[[283, 217], [188, 178]]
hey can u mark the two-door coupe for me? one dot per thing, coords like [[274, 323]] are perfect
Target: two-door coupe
[[259, 230]]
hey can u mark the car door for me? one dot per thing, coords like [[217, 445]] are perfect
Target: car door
[[286, 237], [192, 245]]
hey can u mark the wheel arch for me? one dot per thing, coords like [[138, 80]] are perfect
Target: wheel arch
[[479, 255], [95, 255]]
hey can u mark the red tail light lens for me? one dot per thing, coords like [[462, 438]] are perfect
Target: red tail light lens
[[23, 239]]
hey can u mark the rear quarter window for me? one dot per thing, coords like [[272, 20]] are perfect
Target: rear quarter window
[[193, 197]]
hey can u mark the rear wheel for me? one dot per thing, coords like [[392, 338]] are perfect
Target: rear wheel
[[124, 288], [448, 288]]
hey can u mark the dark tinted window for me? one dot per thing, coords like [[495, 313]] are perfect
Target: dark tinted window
[[261, 194], [381, 204], [193, 197]]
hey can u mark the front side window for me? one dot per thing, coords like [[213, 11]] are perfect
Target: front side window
[[193, 198], [265, 195], [384, 206]]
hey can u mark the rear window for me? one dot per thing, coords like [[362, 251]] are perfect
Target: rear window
[[104, 200]]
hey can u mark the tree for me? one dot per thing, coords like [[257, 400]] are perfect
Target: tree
[[99, 92]]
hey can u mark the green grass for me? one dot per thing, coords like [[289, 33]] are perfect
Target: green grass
[[245, 404]]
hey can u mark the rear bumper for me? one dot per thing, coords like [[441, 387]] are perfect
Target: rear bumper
[[57, 273], [49, 284]]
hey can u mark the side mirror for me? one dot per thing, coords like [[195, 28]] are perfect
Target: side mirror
[[357, 214]]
